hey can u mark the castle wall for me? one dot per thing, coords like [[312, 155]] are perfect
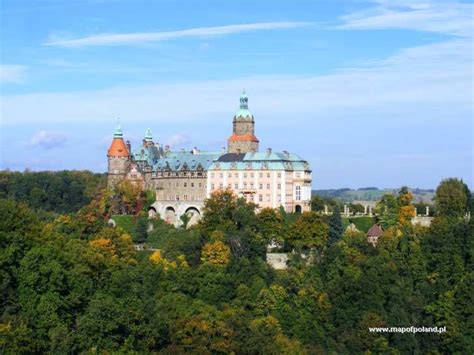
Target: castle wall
[[242, 146]]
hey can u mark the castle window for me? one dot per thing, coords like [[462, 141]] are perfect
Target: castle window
[[221, 175], [200, 184], [192, 197], [221, 186], [245, 184], [279, 175], [298, 193], [252, 175], [236, 186], [245, 175], [279, 198], [236, 175], [260, 175], [212, 186], [229, 186], [268, 186], [185, 184], [268, 198], [279, 186], [260, 198], [251, 185], [229, 175], [212, 175], [185, 197], [177, 197], [260, 186], [192, 184], [268, 175]]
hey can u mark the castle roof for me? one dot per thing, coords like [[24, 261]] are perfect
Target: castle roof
[[118, 147], [375, 231], [244, 137], [264, 161], [176, 161]]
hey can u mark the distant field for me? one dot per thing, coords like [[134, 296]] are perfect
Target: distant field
[[371, 194]]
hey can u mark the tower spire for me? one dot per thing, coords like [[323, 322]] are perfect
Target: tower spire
[[244, 100], [118, 130]]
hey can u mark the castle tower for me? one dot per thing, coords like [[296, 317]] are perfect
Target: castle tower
[[118, 157], [243, 138], [148, 139]]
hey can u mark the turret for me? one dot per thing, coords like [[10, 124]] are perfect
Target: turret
[[118, 157], [148, 139], [243, 138]]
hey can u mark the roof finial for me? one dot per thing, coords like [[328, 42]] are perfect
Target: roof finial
[[244, 100], [118, 130]]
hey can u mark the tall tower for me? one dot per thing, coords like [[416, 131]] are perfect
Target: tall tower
[[118, 158], [243, 138]]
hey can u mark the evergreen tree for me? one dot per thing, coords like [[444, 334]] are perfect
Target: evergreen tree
[[335, 226]]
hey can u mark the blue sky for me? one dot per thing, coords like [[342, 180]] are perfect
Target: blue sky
[[371, 93]]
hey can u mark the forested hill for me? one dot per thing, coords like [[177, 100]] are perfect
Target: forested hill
[[372, 194], [60, 192], [72, 284]]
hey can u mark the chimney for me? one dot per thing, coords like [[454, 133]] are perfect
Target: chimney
[[195, 151], [224, 150], [286, 153], [129, 147], [269, 151], [167, 148]]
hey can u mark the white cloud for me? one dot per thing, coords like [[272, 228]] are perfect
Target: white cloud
[[178, 139], [48, 140], [115, 39], [447, 17], [12, 73], [426, 79]]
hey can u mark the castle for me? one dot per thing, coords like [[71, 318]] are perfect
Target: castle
[[182, 180]]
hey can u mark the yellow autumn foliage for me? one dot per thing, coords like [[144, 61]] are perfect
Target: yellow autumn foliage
[[101, 243], [157, 259], [216, 253]]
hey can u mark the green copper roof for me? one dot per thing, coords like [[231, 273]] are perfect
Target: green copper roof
[[118, 131], [148, 135], [244, 107]]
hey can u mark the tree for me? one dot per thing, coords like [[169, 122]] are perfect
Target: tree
[[141, 230], [451, 198], [309, 231], [406, 209], [388, 210], [270, 225], [335, 226], [216, 253]]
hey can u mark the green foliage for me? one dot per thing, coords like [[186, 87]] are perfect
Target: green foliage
[[452, 198], [74, 285], [61, 192], [335, 226]]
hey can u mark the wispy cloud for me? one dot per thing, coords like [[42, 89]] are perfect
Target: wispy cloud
[[432, 76], [12, 73], [120, 39], [447, 17], [178, 139], [48, 140]]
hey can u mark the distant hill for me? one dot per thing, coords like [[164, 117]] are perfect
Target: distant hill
[[372, 194]]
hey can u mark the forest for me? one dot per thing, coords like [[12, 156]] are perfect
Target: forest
[[72, 284]]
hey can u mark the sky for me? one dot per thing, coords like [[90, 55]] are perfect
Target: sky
[[371, 93]]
